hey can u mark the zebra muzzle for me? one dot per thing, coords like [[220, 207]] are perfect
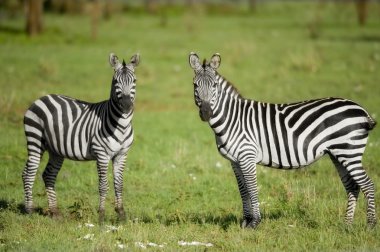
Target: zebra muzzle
[[205, 111], [126, 103]]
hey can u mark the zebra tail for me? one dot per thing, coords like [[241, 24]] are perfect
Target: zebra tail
[[371, 123]]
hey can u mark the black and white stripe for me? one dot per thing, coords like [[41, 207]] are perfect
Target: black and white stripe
[[78, 130], [284, 136]]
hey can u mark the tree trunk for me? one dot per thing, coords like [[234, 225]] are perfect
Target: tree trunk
[[107, 9], [96, 12], [150, 6], [361, 8], [252, 5], [33, 17]]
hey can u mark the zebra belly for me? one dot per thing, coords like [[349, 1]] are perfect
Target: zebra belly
[[265, 161], [72, 149]]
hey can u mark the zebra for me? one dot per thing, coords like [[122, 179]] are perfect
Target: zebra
[[283, 136], [79, 130]]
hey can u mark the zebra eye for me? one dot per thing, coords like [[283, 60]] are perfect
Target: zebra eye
[[197, 101]]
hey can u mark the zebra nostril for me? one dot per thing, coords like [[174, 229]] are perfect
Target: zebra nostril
[[205, 111], [126, 102]]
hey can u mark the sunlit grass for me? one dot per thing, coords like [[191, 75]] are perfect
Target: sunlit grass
[[177, 186]]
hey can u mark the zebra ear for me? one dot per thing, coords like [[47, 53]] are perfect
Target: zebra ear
[[194, 61], [135, 60], [114, 61], [215, 61]]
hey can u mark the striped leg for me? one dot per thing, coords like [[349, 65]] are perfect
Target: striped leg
[[29, 175], [247, 209], [102, 165], [49, 176], [248, 169], [118, 170], [353, 165], [351, 187]]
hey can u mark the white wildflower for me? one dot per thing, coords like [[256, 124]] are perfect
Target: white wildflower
[[88, 237], [149, 244], [218, 165], [111, 228], [90, 225], [192, 176], [140, 245], [152, 244], [195, 243], [120, 245]]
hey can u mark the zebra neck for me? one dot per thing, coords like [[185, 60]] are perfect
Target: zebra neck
[[227, 94], [117, 117], [226, 87]]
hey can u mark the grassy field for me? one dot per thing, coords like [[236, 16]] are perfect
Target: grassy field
[[177, 186]]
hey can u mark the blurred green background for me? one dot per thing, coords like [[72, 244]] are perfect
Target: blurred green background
[[177, 186]]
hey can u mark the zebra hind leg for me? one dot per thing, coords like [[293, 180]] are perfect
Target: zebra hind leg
[[49, 176], [354, 168], [352, 189]]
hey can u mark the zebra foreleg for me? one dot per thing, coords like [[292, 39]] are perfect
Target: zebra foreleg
[[102, 166], [49, 176], [28, 177], [247, 209], [248, 169], [118, 171]]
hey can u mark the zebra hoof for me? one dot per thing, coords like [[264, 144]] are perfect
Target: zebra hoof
[[249, 223], [371, 223], [102, 216], [121, 216], [28, 210], [54, 213]]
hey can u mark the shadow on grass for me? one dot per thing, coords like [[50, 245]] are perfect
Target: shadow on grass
[[19, 208], [224, 221], [292, 212], [11, 30], [361, 38], [369, 38], [228, 219], [273, 215]]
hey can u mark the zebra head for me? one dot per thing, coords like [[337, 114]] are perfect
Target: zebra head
[[205, 84], [123, 89]]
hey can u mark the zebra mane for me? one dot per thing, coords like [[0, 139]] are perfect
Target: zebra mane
[[124, 63], [229, 84], [204, 63]]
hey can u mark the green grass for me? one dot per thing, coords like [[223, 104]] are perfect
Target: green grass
[[269, 56]]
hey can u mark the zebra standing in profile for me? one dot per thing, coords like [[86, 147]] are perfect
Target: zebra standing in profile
[[283, 136], [78, 130]]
